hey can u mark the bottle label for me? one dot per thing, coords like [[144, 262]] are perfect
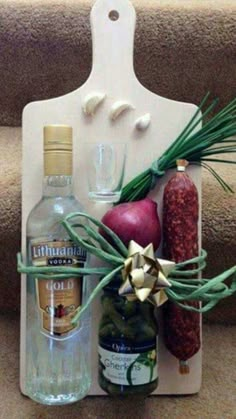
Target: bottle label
[[125, 364], [58, 299]]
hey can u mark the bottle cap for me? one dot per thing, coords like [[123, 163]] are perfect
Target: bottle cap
[[57, 137], [57, 150]]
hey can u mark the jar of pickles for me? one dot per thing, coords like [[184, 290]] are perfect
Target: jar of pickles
[[127, 344]]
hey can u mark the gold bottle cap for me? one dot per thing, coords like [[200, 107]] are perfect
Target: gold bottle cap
[[57, 137], [57, 150]]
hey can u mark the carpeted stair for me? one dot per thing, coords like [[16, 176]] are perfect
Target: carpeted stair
[[182, 49]]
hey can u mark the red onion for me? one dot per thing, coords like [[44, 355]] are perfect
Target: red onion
[[136, 221]]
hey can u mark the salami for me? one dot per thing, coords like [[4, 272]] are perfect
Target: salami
[[180, 242]]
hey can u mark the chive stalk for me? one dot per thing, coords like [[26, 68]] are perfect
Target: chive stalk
[[213, 138]]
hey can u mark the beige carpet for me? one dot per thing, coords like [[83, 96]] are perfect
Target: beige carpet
[[216, 400]]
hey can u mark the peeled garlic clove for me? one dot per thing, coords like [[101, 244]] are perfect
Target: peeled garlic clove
[[143, 122], [91, 102], [118, 108]]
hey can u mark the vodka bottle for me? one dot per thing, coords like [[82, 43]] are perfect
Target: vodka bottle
[[57, 353]]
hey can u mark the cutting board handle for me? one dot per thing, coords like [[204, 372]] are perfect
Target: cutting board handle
[[113, 26]]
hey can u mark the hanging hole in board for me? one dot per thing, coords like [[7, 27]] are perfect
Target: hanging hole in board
[[114, 15]]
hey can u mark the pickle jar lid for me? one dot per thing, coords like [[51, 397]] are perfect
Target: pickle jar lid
[[114, 285]]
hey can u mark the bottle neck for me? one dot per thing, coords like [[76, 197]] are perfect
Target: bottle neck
[[57, 186]]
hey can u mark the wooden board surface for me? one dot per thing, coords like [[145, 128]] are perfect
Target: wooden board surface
[[112, 74]]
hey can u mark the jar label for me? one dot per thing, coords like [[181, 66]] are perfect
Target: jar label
[[129, 365], [57, 299]]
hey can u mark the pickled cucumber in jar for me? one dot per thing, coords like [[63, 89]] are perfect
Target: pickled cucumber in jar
[[127, 344]]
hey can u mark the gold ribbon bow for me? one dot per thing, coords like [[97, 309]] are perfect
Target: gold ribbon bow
[[145, 276]]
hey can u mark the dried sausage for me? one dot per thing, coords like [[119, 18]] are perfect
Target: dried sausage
[[180, 242]]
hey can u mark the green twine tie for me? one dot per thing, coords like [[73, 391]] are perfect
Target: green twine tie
[[156, 173], [184, 287]]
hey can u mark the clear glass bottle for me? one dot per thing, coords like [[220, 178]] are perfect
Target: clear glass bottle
[[127, 345], [57, 354]]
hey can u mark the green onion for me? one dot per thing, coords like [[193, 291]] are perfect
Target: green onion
[[214, 137], [183, 286]]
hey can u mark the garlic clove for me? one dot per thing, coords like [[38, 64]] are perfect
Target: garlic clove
[[92, 101], [118, 108], [143, 122]]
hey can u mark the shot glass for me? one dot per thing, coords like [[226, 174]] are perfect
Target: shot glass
[[105, 170]]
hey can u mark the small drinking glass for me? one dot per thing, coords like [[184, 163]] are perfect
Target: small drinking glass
[[105, 170]]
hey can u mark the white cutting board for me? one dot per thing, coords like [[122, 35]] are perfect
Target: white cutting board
[[113, 74]]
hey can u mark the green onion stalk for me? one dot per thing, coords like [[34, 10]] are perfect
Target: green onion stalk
[[198, 146], [183, 287]]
